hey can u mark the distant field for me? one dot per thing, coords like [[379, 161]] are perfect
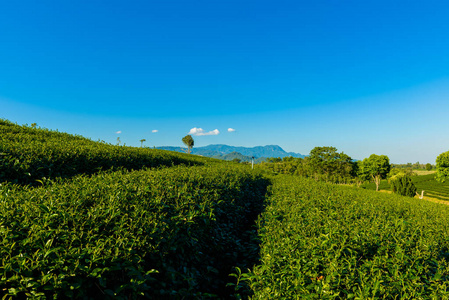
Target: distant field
[[427, 183], [424, 172]]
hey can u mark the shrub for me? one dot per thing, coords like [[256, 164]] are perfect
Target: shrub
[[402, 184]]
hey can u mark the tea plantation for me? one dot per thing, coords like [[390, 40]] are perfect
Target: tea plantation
[[88, 220], [426, 183]]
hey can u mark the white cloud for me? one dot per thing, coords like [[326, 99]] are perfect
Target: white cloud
[[154, 130], [118, 132], [200, 131], [231, 129]]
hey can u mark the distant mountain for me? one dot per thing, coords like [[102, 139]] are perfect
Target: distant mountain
[[224, 151]]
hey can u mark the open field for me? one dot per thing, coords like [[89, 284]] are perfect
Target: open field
[[145, 223]]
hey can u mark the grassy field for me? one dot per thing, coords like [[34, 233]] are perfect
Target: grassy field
[[87, 220]]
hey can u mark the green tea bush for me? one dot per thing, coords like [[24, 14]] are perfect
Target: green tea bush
[[322, 241], [403, 185], [170, 233], [28, 154]]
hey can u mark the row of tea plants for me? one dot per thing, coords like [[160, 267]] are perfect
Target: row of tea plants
[[169, 233], [323, 241]]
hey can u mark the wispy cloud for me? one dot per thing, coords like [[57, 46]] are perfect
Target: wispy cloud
[[118, 132], [200, 131], [154, 130], [231, 129]]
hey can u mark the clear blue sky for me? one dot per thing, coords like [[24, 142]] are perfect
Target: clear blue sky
[[363, 76]]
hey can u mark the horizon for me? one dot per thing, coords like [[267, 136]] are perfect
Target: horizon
[[362, 77]]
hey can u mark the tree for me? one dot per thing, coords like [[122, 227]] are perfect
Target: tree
[[189, 142], [141, 142], [237, 160], [428, 167], [118, 141], [376, 167], [442, 167], [328, 162]]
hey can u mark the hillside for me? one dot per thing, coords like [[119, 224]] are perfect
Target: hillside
[[29, 154]]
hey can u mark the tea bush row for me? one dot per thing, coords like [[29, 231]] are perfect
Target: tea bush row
[[322, 241], [28, 154], [170, 233]]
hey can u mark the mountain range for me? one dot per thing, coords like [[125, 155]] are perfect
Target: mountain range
[[226, 152]]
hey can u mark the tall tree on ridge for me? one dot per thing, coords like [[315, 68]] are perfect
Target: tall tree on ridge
[[189, 142]]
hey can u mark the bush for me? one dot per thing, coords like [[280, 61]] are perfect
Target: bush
[[402, 184]]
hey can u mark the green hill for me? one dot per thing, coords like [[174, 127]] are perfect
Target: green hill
[[29, 154]]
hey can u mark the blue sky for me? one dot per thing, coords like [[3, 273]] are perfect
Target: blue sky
[[363, 76]]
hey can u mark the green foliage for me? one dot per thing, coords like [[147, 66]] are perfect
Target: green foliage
[[322, 241], [170, 233], [395, 171], [28, 154], [442, 166], [326, 161], [428, 167], [376, 167], [403, 185], [189, 142], [323, 164]]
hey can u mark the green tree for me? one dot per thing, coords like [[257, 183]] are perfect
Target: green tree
[[428, 167], [442, 167], [328, 162], [189, 142], [274, 159], [141, 142], [376, 167], [402, 184], [237, 160]]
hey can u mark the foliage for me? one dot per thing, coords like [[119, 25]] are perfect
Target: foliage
[[322, 241], [402, 184], [395, 171], [189, 142], [376, 167], [323, 164], [171, 233], [442, 166], [328, 162], [428, 167], [29, 154]]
